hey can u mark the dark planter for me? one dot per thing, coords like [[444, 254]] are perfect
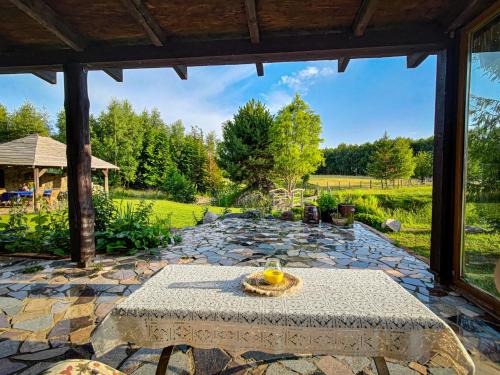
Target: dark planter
[[326, 215], [346, 209], [311, 214]]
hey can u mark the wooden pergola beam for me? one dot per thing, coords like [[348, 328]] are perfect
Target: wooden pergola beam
[[44, 15], [260, 69], [115, 73], [253, 25], [415, 59], [275, 48], [466, 13], [47, 76], [182, 71], [141, 14], [363, 17], [342, 64]]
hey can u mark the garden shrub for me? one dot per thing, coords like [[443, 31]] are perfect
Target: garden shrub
[[373, 221], [226, 195], [403, 201], [179, 188], [298, 213], [105, 210], [127, 229], [327, 203], [49, 231], [368, 205], [422, 215], [131, 230]]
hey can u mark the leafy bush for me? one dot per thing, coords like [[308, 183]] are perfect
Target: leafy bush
[[179, 188], [131, 230], [255, 200], [422, 215], [298, 213], [327, 203], [226, 195], [403, 201], [50, 232], [105, 210], [368, 205], [373, 221]]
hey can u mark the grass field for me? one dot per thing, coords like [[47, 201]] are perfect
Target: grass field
[[358, 182], [182, 213]]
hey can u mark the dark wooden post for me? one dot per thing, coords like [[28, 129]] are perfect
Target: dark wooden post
[[443, 200], [36, 187], [81, 210], [105, 172]]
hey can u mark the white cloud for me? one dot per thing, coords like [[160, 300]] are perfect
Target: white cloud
[[305, 78], [276, 99]]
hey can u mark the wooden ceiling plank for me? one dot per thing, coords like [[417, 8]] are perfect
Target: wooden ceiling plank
[[47, 76], [44, 15], [182, 71], [275, 48], [115, 73], [140, 12], [467, 12], [363, 16], [253, 25], [342, 64], [260, 69], [415, 59]]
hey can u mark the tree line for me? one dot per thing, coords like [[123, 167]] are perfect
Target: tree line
[[150, 153], [353, 160], [257, 149]]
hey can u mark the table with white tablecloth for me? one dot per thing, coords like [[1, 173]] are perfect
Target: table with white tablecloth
[[336, 312]]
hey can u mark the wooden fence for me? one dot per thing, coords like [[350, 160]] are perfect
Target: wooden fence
[[368, 184]]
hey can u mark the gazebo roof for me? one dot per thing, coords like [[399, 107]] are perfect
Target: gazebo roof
[[37, 151]]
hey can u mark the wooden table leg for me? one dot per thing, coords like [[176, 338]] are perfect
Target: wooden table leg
[[163, 362], [381, 366]]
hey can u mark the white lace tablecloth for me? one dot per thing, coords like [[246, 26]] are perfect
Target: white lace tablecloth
[[337, 312]]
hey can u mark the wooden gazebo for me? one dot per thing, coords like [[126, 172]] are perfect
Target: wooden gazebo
[[40, 154], [43, 37]]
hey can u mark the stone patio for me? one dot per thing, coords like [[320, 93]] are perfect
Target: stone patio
[[48, 315]]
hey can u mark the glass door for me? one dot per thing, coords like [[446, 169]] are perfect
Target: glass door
[[481, 210]]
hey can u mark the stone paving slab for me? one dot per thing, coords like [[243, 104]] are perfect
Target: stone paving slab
[[49, 315]]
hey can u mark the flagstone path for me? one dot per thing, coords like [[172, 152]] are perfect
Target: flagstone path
[[48, 315]]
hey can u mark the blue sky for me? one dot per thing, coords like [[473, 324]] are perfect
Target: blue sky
[[372, 96]]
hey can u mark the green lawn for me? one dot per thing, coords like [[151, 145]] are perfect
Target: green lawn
[[482, 250], [182, 213]]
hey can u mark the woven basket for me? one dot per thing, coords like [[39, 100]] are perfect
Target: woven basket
[[255, 284]]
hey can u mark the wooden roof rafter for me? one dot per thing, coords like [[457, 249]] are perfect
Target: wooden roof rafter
[[363, 17], [44, 15], [137, 9], [415, 59], [253, 30], [342, 64], [141, 14], [47, 76]]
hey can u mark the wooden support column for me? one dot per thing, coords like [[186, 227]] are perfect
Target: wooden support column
[[445, 133], [81, 210], [36, 187], [105, 172]]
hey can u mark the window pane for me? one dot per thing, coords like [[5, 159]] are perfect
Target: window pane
[[481, 246]]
